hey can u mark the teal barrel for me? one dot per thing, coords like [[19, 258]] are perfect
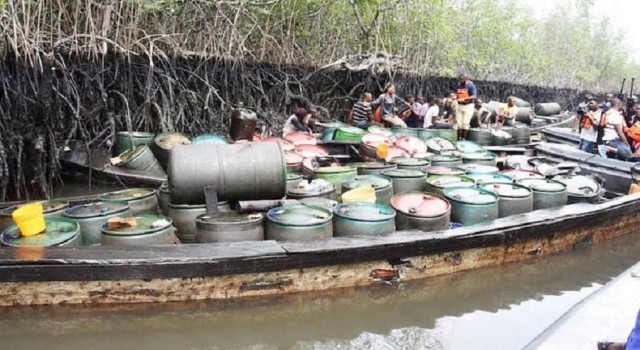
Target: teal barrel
[[447, 160], [363, 219], [480, 136], [348, 133], [410, 163], [326, 203], [381, 185], [486, 178], [426, 134], [443, 170], [293, 179], [421, 211], [149, 230], [465, 146], [514, 199], [140, 158], [300, 192], [439, 144], [164, 198], [184, 218], [406, 180], [412, 145], [91, 217], [374, 168], [51, 208], [546, 193], [369, 145], [229, 227], [209, 139], [141, 200], [375, 129], [436, 184], [59, 232], [580, 188], [449, 134], [484, 158], [336, 175], [299, 223], [329, 132], [165, 142], [128, 140], [521, 174], [405, 132], [471, 168], [471, 206]]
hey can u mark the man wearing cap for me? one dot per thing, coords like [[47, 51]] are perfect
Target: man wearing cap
[[466, 95], [298, 121]]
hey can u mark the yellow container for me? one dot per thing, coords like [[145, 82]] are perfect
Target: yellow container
[[30, 219], [383, 151], [362, 194]]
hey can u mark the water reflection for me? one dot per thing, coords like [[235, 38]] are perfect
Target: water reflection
[[337, 319]]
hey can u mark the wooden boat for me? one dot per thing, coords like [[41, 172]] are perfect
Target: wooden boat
[[565, 136]]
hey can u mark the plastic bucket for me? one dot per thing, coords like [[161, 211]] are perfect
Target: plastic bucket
[[30, 219]]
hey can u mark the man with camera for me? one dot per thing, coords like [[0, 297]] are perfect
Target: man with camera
[[589, 115]]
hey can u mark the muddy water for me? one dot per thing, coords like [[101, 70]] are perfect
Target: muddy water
[[497, 308]]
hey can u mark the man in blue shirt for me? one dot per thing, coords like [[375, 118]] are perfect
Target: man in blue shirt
[[466, 95]]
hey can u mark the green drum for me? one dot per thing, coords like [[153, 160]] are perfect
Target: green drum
[[128, 140], [514, 199], [420, 211], [209, 139], [328, 192], [406, 180], [381, 185], [436, 184], [326, 203], [164, 198], [493, 178], [447, 160], [329, 132], [363, 219], [59, 232], [480, 136], [299, 223], [164, 143], [336, 175], [405, 132], [141, 200], [483, 158], [410, 163], [374, 168], [449, 134], [229, 227], [546, 193], [51, 208], [150, 230], [349, 133], [471, 206], [184, 220], [426, 134], [140, 158], [91, 216]]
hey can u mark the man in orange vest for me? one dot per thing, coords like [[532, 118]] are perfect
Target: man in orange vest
[[466, 95], [588, 124]]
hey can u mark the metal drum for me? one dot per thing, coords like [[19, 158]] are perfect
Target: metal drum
[[209, 139], [374, 168], [472, 168], [406, 180], [311, 151], [519, 163], [490, 178], [241, 171], [465, 146], [580, 189], [443, 170], [164, 198], [165, 142], [405, 132], [298, 138], [420, 211], [412, 145], [363, 219], [336, 175], [375, 129], [140, 158], [500, 138], [294, 162], [521, 134], [426, 134], [348, 133], [449, 134], [546, 193], [547, 109], [396, 152], [243, 124], [51, 208], [485, 158], [521, 174], [328, 132], [447, 160], [59, 232], [471, 206], [184, 218], [326, 203], [91, 216], [523, 115], [369, 145], [141, 200], [328, 192], [299, 223], [436, 184], [149, 230], [128, 140], [481, 136], [293, 180], [514, 199], [439, 144], [410, 163], [381, 185], [229, 227]]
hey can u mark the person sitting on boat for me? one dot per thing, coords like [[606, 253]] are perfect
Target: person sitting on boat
[[479, 115], [314, 124], [410, 115], [298, 121], [388, 102], [431, 116], [589, 118], [466, 95], [446, 115], [506, 113], [420, 108], [611, 133], [361, 114]]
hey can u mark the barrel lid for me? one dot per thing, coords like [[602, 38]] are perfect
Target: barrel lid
[[128, 194], [299, 215], [445, 158], [310, 151], [334, 169], [423, 155], [131, 154], [58, 231], [372, 181], [420, 204], [145, 224], [373, 140], [406, 161], [501, 133], [519, 162], [319, 202], [542, 185], [229, 217], [484, 178], [442, 170], [293, 158], [404, 173], [209, 139], [293, 176], [303, 191], [375, 129], [300, 138], [444, 181], [579, 185], [365, 211], [136, 134], [438, 144], [375, 165], [465, 146], [479, 156], [470, 195], [47, 206], [521, 174], [411, 144], [93, 209], [474, 168], [508, 190], [396, 152], [167, 140], [348, 129]]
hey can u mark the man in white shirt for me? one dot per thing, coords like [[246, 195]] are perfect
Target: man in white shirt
[[431, 116], [615, 141]]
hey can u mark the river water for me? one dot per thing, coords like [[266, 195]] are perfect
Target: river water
[[496, 308]]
